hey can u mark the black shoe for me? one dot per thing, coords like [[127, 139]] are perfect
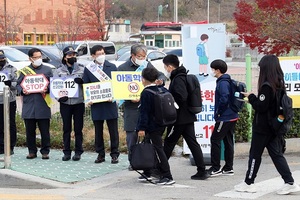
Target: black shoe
[[99, 159], [114, 160], [200, 176], [31, 156], [66, 157], [76, 157], [45, 156]]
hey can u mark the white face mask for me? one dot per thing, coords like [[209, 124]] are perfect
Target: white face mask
[[168, 74], [37, 62], [100, 59], [139, 62]]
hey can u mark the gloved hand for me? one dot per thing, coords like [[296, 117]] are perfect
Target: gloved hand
[[78, 80], [8, 83], [63, 99]]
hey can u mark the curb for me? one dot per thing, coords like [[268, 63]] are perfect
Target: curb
[[292, 146]]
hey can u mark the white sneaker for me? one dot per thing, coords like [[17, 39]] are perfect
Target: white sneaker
[[288, 189], [244, 187]]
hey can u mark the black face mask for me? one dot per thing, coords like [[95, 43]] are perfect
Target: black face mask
[[2, 63], [72, 60]]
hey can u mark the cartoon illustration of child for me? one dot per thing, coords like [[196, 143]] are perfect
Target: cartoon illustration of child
[[202, 52], [87, 93]]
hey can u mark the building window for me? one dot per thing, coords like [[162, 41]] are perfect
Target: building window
[[127, 28], [50, 39], [117, 28], [40, 39], [28, 39], [168, 37]]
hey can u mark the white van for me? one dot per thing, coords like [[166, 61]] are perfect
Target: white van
[[18, 59], [83, 49]]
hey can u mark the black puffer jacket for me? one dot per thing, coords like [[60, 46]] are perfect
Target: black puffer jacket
[[263, 103], [179, 91]]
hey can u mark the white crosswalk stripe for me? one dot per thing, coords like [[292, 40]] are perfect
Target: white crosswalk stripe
[[263, 188]]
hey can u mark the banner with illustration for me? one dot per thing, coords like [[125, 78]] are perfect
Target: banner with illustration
[[98, 91], [127, 85], [291, 69], [201, 44]]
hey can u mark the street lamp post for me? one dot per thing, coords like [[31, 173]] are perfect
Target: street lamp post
[[208, 11], [5, 22], [175, 11]]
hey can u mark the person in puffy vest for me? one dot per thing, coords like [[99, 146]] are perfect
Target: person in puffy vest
[[263, 136], [73, 107], [10, 80]]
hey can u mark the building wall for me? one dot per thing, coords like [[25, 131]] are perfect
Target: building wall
[[119, 30], [38, 18]]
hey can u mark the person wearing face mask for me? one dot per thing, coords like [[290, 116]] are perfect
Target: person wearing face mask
[[97, 71], [184, 125], [36, 106], [71, 108], [225, 119], [137, 62], [10, 79]]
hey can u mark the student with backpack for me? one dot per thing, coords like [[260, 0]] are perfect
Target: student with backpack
[[225, 118], [149, 127], [184, 125], [263, 134]]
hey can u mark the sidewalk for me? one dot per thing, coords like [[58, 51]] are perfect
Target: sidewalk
[[85, 169]]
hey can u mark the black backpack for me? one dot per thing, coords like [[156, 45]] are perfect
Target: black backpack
[[236, 102], [194, 100], [284, 107], [164, 109]]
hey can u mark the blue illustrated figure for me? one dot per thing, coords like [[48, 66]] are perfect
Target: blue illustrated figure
[[87, 93], [202, 53]]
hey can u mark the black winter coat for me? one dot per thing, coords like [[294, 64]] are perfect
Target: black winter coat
[[178, 88], [263, 103]]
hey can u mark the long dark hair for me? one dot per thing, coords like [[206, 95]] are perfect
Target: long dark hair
[[270, 71]]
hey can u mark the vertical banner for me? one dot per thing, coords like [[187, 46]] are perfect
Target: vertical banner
[[203, 43], [291, 69]]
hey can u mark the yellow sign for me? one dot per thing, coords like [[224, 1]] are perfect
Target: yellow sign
[[97, 91], [291, 69], [127, 85]]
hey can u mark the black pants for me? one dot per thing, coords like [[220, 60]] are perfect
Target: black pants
[[44, 125], [188, 133], [222, 131], [112, 125], [67, 113], [274, 147], [163, 164], [13, 128]]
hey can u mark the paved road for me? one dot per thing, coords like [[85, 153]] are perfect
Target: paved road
[[123, 184]]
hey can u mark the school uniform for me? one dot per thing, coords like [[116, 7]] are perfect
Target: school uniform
[[153, 131]]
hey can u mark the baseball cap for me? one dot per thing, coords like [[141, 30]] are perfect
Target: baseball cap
[[69, 50], [2, 55]]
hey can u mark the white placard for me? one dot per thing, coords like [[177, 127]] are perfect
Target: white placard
[[35, 83], [63, 86]]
